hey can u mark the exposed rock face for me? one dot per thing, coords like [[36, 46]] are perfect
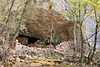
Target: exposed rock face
[[40, 23]]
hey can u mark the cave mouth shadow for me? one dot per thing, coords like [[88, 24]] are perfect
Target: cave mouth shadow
[[31, 40]]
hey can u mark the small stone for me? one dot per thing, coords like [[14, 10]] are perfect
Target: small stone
[[48, 60], [64, 63], [36, 61], [22, 57], [17, 59], [30, 58], [11, 59], [22, 61], [27, 62], [71, 64]]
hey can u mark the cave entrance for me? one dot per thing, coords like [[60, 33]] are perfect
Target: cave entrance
[[26, 40]]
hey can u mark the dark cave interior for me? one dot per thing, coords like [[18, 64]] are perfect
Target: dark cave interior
[[30, 39]]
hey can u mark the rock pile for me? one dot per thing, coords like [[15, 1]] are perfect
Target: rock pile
[[22, 53], [32, 51], [42, 56], [64, 48]]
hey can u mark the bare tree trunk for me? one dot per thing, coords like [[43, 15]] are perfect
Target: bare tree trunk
[[51, 31], [75, 39], [89, 56], [9, 14], [5, 45], [20, 21], [5, 57], [51, 36], [81, 36], [96, 32]]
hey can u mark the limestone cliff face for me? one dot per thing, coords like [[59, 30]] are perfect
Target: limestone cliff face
[[40, 22]]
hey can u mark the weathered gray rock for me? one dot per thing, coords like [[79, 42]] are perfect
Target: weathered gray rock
[[22, 61], [11, 59], [64, 63], [38, 22], [18, 59]]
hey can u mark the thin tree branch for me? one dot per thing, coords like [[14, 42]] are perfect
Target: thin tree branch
[[10, 11], [9, 14], [90, 36], [20, 21], [86, 17]]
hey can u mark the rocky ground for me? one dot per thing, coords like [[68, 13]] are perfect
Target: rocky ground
[[24, 56]]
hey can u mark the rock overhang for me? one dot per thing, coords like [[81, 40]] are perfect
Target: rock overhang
[[39, 23]]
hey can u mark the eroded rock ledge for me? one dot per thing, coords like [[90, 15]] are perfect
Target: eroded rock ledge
[[39, 23]]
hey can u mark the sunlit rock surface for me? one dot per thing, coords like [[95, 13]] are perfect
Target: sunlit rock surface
[[40, 22]]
